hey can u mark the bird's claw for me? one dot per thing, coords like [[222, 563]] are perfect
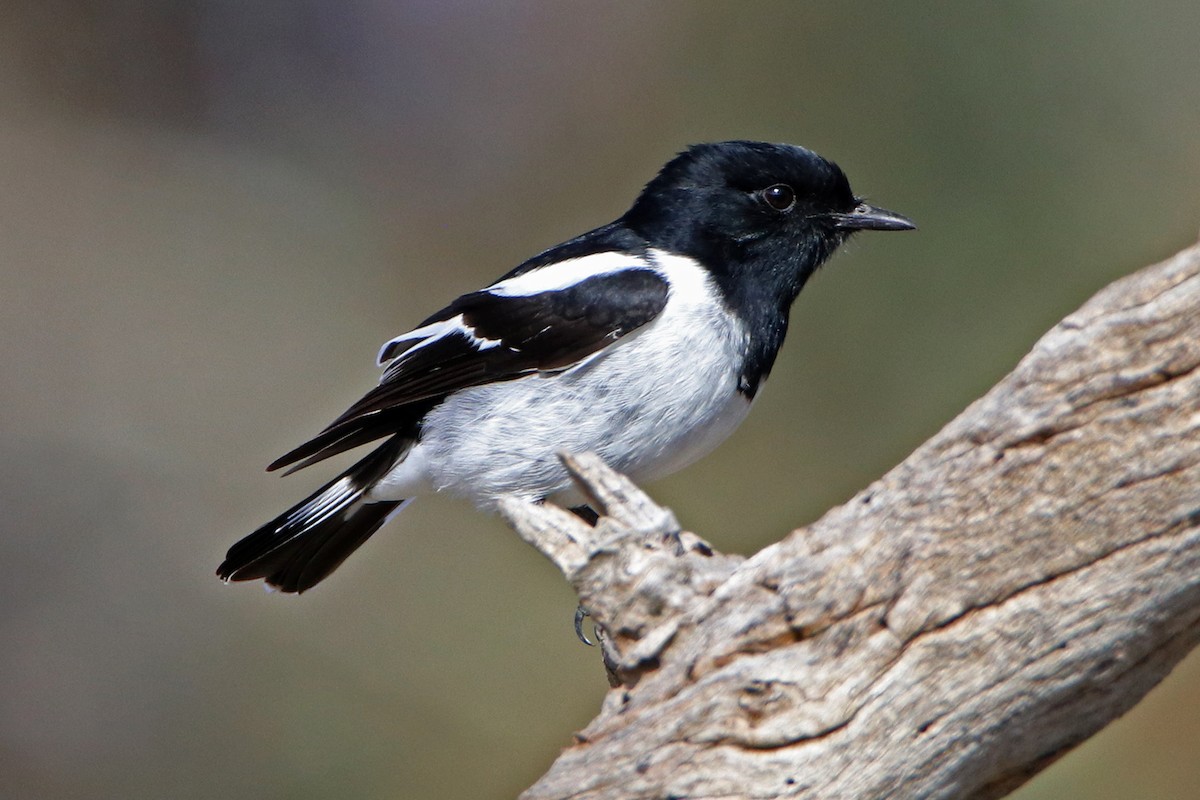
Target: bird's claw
[[580, 613]]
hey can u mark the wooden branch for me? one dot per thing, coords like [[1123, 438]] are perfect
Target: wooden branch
[[1021, 580]]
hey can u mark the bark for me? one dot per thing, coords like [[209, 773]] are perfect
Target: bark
[[1018, 582]]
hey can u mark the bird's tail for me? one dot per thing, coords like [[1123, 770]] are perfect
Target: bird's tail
[[302, 546]]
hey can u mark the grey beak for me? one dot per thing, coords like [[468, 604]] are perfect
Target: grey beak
[[870, 218]]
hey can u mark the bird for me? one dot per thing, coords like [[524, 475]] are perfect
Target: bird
[[645, 341]]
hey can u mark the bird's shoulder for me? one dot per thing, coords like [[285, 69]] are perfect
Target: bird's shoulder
[[615, 238], [601, 284]]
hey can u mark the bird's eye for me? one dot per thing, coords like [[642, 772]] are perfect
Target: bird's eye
[[780, 197]]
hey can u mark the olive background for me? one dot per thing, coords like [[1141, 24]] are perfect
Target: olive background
[[213, 213]]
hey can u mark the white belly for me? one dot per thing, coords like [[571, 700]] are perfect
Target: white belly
[[649, 405]]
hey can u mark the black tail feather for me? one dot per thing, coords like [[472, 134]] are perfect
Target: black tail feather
[[299, 548], [346, 433]]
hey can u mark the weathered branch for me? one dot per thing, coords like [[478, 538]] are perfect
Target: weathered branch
[[1022, 579]]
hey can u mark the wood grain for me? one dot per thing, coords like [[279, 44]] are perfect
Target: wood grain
[[1018, 582]]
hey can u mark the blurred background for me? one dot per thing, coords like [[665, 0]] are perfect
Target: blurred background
[[212, 214]]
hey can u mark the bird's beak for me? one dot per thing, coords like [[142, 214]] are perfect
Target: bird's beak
[[870, 218]]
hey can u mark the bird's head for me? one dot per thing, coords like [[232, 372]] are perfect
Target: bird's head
[[775, 210]]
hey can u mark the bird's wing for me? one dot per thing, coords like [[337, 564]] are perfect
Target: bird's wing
[[548, 319]]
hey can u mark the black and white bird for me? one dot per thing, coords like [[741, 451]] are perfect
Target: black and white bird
[[644, 341]]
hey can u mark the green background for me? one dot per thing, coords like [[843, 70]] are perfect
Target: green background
[[212, 214]]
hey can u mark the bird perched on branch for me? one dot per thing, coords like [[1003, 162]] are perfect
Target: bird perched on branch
[[645, 341]]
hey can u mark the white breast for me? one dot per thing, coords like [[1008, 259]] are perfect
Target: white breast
[[649, 405]]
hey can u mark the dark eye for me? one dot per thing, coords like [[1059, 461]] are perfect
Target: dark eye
[[780, 197]]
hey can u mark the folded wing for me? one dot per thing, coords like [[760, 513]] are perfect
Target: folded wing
[[545, 320]]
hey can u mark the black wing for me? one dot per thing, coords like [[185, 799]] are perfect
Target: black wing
[[490, 336]]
